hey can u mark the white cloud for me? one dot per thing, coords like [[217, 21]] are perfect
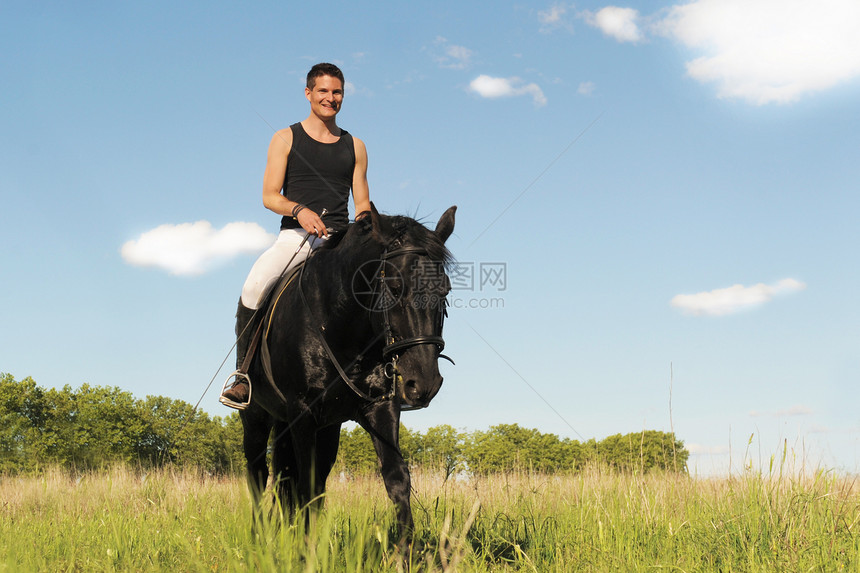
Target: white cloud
[[552, 15], [733, 299], [585, 88], [700, 450], [452, 56], [553, 18], [615, 22], [458, 52], [793, 411], [490, 87], [768, 51], [194, 248]]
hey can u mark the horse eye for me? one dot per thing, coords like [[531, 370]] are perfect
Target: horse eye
[[395, 286]]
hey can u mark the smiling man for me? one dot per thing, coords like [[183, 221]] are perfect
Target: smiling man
[[311, 167]]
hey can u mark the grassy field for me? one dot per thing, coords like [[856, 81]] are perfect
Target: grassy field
[[120, 520]]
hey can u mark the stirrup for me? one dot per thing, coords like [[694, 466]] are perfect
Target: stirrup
[[235, 377]]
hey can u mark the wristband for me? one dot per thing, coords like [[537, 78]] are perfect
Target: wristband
[[298, 209]]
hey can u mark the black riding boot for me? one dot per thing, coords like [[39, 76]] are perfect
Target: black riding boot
[[246, 325]]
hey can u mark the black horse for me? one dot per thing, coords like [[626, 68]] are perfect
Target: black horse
[[356, 335]]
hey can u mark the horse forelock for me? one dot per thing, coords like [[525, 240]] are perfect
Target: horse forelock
[[409, 232]]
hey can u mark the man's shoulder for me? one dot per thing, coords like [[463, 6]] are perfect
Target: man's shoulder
[[359, 145], [356, 144], [282, 139]]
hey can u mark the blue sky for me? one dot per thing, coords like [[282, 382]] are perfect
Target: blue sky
[[670, 190]]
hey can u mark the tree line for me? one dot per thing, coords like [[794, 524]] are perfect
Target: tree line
[[92, 426], [512, 448]]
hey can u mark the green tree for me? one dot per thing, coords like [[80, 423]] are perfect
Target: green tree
[[93, 426], [356, 455], [90, 427], [441, 449], [508, 447], [22, 418], [410, 444], [233, 434], [177, 433], [644, 451]]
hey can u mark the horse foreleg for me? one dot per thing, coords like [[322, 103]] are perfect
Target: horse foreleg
[[285, 469], [304, 442], [383, 425], [328, 441], [257, 428]]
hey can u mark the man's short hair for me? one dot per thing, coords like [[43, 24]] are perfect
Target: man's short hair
[[324, 70]]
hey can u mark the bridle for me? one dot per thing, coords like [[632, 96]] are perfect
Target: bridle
[[393, 347]]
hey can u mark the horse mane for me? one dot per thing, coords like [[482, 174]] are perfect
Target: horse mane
[[397, 231]]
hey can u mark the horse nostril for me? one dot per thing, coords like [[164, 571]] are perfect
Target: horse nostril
[[411, 387]]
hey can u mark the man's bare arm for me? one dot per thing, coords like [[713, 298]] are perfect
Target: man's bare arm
[[276, 169], [360, 189], [273, 182]]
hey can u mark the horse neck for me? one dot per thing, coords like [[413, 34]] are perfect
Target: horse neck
[[330, 281]]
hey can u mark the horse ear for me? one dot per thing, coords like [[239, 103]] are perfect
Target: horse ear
[[445, 226], [376, 223]]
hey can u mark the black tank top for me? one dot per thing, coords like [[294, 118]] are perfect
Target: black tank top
[[319, 176]]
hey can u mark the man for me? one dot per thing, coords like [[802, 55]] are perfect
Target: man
[[311, 167]]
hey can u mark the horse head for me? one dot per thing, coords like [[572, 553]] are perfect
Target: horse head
[[410, 302]]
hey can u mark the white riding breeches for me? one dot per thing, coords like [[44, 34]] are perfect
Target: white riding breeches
[[273, 263]]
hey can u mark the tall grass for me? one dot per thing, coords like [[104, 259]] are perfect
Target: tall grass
[[121, 520]]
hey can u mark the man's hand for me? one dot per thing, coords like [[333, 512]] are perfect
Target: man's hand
[[311, 223]]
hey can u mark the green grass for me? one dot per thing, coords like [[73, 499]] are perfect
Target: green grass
[[119, 520]]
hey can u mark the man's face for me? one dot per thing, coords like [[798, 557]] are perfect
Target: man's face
[[326, 97]]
